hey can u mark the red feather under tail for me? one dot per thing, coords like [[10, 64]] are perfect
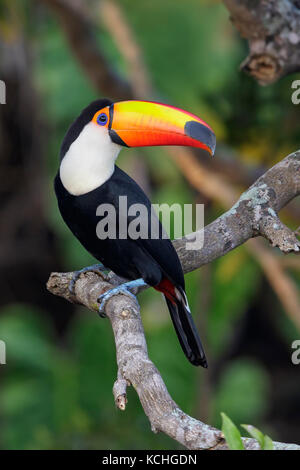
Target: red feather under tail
[[183, 322], [167, 288]]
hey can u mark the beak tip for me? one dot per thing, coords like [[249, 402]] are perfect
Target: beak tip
[[213, 147], [201, 133]]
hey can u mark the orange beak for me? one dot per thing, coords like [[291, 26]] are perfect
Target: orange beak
[[144, 123]]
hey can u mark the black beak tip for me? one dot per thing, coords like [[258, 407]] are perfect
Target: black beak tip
[[203, 134]]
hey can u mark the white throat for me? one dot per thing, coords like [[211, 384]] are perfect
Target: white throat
[[90, 160]]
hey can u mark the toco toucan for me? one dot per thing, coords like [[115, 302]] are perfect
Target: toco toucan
[[88, 177]]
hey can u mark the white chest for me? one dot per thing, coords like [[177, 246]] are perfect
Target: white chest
[[90, 160]]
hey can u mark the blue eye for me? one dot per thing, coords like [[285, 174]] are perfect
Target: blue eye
[[102, 119]]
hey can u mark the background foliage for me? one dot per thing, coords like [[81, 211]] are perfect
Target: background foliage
[[56, 387]]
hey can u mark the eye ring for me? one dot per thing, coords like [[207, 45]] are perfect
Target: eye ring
[[102, 119]]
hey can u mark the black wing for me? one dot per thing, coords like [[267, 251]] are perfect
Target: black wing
[[160, 250]]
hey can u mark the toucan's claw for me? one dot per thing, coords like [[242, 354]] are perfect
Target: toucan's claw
[[124, 289], [102, 300], [96, 268]]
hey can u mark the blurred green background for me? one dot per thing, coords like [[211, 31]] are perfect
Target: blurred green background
[[56, 388]]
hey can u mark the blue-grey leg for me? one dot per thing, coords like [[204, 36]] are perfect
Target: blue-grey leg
[[125, 289], [96, 268]]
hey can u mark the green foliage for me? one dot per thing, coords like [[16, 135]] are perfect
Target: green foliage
[[264, 441], [236, 279], [58, 398], [24, 339], [248, 382], [231, 433], [233, 436]]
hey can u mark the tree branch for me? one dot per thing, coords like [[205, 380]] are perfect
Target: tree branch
[[272, 28], [136, 369], [219, 190], [253, 214]]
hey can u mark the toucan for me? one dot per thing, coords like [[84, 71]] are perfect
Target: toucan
[[88, 177]]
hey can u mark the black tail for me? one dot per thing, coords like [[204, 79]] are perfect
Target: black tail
[[186, 330]]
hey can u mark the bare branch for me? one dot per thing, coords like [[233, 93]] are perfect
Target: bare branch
[[216, 188], [272, 28], [135, 367], [251, 215], [120, 387]]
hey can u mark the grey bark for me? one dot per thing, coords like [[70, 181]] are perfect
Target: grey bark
[[255, 213], [136, 369], [272, 28]]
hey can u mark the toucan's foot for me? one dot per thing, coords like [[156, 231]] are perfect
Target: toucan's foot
[[96, 268], [124, 289]]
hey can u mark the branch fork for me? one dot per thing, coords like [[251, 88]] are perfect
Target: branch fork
[[255, 213]]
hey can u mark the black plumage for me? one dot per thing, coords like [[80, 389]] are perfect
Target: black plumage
[[154, 260]]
